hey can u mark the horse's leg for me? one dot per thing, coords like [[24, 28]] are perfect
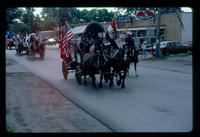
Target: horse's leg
[[111, 80], [123, 79], [106, 76], [79, 78], [135, 65], [85, 83], [101, 78], [120, 78], [128, 70], [94, 81]]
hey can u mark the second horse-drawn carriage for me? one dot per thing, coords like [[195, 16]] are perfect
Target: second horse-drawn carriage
[[35, 48], [21, 47], [103, 60]]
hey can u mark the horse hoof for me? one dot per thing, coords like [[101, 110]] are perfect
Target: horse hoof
[[94, 86], [123, 86], [100, 86], [106, 80], [118, 83], [111, 84]]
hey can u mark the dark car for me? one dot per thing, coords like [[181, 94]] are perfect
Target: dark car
[[172, 47]]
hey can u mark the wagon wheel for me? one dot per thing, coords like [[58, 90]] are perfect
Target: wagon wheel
[[41, 55], [64, 70]]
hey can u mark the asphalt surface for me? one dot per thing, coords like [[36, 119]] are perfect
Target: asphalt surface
[[159, 100], [35, 106]]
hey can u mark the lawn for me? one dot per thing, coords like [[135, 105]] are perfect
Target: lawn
[[9, 128], [171, 56]]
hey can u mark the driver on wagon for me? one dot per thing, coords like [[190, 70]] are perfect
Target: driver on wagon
[[98, 43]]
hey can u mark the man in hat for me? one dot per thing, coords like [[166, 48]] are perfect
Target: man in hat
[[129, 42]]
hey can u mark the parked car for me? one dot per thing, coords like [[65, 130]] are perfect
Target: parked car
[[172, 47], [50, 41]]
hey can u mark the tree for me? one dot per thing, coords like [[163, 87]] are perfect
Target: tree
[[20, 27], [11, 15], [28, 18], [36, 23]]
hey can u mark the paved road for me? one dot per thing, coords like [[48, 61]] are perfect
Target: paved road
[[34, 105], [159, 100]]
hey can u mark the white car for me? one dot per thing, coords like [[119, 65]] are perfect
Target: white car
[[51, 40], [163, 44]]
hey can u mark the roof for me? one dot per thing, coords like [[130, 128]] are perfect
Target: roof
[[78, 30]]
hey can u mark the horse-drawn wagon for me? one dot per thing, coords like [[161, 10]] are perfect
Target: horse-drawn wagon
[[103, 60], [78, 59], [35, 48], [21, 46], [10, 43]]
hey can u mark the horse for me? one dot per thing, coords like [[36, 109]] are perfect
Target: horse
[[105, 70], [91, 66], [35, 48], [116, 62], [132, 55]]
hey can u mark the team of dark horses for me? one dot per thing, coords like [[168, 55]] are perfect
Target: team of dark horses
[[109, 63]]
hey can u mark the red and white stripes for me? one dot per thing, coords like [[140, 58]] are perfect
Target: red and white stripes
[[67, 39]]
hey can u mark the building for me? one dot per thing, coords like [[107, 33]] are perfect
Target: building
[[170, 28], [48, 34]]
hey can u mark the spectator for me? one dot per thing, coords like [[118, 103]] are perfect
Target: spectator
[[18, 37], [144, 46]]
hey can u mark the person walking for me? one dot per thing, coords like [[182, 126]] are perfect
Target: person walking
[[144, 46]]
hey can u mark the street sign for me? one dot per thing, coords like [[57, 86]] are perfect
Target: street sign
[[145, 15], [123, 19]]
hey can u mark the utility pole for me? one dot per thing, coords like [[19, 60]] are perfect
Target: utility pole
[[158, 51]]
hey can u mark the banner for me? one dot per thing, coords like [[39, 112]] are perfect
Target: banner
[[144, 15]]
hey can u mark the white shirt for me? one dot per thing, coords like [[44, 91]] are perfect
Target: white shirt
[[144, 46], [18, 37], [79, 40]]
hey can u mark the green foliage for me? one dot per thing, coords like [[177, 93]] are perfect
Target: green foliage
[[11, 15], [19, 20], [10, 129], [55, 16], [7, 111], [99, 15], [48, 23], [20, 27]]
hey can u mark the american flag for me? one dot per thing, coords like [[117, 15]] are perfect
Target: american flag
[[65, 44]]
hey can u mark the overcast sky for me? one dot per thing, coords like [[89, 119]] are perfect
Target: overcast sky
[[38, 10]]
